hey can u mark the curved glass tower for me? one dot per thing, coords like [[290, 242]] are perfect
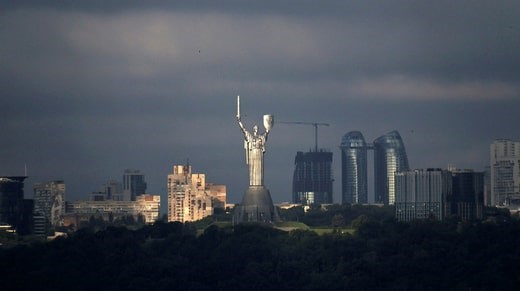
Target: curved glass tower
[[353, 168], [389, 158]]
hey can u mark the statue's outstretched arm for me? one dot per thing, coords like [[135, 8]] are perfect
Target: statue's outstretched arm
[[238, 116], [241, 125]]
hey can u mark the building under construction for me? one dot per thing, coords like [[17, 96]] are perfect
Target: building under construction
[[312, 180]]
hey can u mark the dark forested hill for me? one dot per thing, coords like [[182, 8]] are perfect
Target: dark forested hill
[[386, 255]]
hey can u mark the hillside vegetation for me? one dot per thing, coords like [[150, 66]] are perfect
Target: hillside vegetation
[[381, 254]]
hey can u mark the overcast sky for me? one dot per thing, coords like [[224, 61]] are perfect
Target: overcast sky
[[88, 89]]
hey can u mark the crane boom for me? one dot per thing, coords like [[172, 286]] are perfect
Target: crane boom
[[315, 124]]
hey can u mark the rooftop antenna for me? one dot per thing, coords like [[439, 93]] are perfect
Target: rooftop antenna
[[25, 169]]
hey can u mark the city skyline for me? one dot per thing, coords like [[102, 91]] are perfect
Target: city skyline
[[91, 89]]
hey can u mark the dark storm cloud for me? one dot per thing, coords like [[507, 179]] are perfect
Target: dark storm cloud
[[91, 88]]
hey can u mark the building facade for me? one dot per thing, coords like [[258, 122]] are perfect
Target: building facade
[[505, 172], [111, 190], [466, 200], [190, 198], [218, 194], [439, 194], [49, 202], [146, 206], [133, 184], [11, 200], [389, 158], [421, 194], [354, 188], [313, 179], [487, 186]]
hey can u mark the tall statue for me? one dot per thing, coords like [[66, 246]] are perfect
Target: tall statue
[[254, 145], [257, 205]]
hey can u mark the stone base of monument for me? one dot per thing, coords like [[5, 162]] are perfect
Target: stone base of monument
[[256, 206]]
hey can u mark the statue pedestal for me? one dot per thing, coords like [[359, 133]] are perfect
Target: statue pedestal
[[256, 206]]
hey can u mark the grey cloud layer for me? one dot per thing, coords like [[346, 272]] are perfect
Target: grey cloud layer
[[148, 85], [71, 46]]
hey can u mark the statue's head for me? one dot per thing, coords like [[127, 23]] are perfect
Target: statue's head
[[255, 129]]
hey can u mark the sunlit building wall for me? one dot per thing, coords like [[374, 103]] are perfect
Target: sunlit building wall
[[146, 206], [354, 168], [312, 178], [49, 201], [389, 158], [149, 206], [190, 198], [505, 172], [218, 194]]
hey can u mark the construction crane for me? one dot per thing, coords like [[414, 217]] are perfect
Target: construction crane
[[315, 124]]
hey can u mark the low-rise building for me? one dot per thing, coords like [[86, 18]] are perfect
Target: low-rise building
[[145, 206]]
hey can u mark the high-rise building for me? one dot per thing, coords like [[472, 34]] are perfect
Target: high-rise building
[[27, 225], [439, 194], [49, 202], [11, 200], [487, 186], [189, 198], [133, 184], [466, 200], [312, 180], [421, 194], [389, 158], [505, 172], [354, 188]]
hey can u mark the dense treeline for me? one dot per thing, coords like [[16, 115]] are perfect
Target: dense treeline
[[381, 255], [337, 215]]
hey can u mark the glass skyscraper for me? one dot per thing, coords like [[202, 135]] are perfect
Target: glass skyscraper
[[467, 197], [312, 180], [354, 168], [11, 200], [133, 184], [389, 158]]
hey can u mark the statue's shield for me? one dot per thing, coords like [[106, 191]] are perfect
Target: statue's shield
[[268, 122]]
